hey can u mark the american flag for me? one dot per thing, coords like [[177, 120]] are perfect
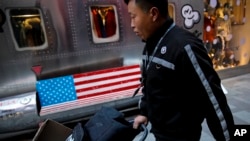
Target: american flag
[[79, 90]]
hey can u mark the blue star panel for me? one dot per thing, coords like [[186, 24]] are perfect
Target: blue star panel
[[56, 90]]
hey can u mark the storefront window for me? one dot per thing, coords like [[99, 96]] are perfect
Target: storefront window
[[219, 16], [27, 28], [171, 10], [104, 23], [2, 20], [238, 12]]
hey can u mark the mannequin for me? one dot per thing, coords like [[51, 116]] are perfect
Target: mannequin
[[209, 28]]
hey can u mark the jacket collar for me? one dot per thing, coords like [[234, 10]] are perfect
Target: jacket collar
[[153, 40]]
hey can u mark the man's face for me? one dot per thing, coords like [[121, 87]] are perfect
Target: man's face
[[141, 21]]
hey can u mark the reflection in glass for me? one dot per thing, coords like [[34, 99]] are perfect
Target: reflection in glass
[[217, 32], [2, 20], [104, 23], [171, 10], [27, 28], [239, 12]]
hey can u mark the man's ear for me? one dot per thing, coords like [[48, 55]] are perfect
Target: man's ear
[[154, 12]]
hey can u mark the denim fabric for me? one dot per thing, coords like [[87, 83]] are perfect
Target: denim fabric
[[108, 124], [77, 133]]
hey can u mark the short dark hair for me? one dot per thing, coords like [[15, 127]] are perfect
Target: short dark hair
[[146, 5]]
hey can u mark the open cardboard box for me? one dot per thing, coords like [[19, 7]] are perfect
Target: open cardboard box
[[52, 131]]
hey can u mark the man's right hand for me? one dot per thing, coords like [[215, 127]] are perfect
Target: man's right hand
[[140, 119]]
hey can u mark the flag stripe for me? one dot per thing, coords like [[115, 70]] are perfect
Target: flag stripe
[[122, 77], [85, 102], [107, 91], [107, 71], [108, 85]]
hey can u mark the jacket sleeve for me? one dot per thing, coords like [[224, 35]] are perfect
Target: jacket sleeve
[[221, 126], [143, 104], [218, 115]]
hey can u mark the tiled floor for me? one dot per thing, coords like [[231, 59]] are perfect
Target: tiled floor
[[239, 101]]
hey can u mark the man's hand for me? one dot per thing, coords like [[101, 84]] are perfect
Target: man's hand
[[140, 120]]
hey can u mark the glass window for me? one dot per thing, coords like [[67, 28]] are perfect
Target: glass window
[[171, 10], [104, 23], [217, 32], [2, 20], [27, 29], [238, 12]]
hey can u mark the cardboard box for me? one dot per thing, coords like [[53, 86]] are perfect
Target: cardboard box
[[52, 131]]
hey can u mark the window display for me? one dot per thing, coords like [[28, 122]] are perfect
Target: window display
[[104, 22], [219, 15], [27, 28]]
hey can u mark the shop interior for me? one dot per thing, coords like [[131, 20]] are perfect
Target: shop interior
[[219, 17]]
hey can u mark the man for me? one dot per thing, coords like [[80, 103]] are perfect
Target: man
[[180, 87]]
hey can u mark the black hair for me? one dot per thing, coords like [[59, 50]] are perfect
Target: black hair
[[146, 5]]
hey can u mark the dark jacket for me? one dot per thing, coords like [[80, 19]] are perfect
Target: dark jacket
[[181, 88]]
